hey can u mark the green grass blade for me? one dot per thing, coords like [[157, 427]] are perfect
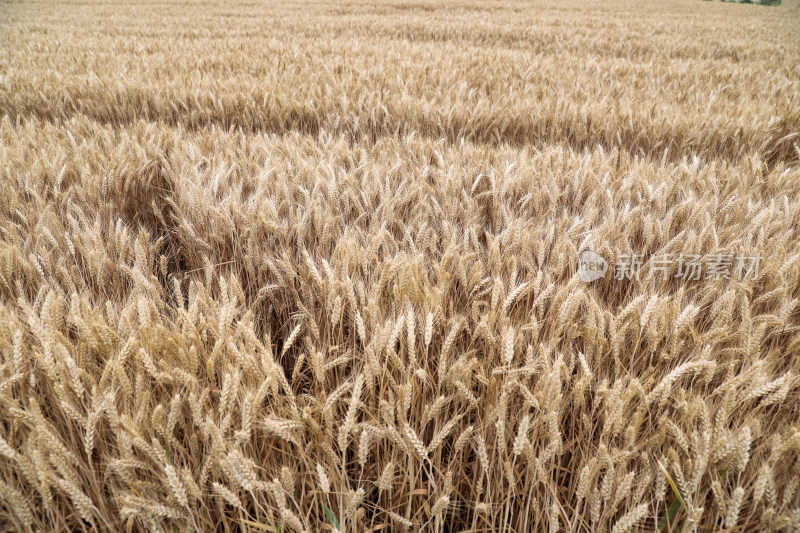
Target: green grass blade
[[331, 517], [671, 512]]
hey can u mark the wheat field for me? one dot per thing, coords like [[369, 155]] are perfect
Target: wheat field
[[315, 266]]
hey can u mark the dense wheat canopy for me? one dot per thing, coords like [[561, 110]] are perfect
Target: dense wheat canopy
[[308, 266]]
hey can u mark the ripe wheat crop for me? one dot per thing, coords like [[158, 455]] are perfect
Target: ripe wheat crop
[[302, 267]]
